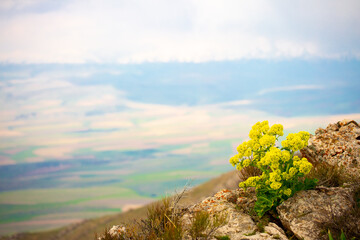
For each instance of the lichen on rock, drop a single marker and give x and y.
(337, 145)
(307, 212)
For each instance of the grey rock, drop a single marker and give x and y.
(239, 225)
(307, 212)
(337, 145)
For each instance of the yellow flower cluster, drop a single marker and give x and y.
(302, 164)
(267, 141)
(276, 129)
(275, 178)
(296, 141)
(242, 164)
(234, 160)
(275, 185)
(271, 158)
(278, 165)
(282, 172)
(261, 137)
(245, 163)
(287, 192)
(245, 149)
(250, 182)
(261, 129)
(290, 174)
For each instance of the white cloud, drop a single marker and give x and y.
(93, 101)
(115, 122)
(9, 133)
(233, 103)
(141, 126)
(195, 31)
(290, 88)
(55, 152)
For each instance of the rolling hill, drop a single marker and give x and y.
(86, 229)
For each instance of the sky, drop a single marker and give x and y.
(113, 31)
(82, 77)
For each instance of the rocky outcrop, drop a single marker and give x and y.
(307, 213)
(337, 145)
(235, 204)
(240, 225)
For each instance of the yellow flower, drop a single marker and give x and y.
(286, 176)
(245, 162)
(260, 151)
(242, 185)
(264, 123)
(256, 147)
(305, 136)
(276, 129)
(275, 185)
(302, 164)
(234, 160)
(274, 165)
(305, 166)
(247, 153)
(250, 182)
(296, 141)
(267, 141)
(239, 167)
(275, 153)
(242, 148)
(275, 176)
(287, 192)
(271, 158)
(254, 134)
(264, 127)
(256, 125)
(292, 172)
(285, 156)
(253, 145)
(265, 161)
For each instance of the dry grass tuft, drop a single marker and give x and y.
(336, 176)
(164, 221)
(247, 172)
(332, 176)
(203, 225)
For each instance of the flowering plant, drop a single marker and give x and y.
(282, 172)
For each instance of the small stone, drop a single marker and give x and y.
(116, 230)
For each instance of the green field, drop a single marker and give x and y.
(85, 230)
(47, 195)
(47, 208)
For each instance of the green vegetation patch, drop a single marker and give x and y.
(61, 195)
(23, 155)
(18, 213)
